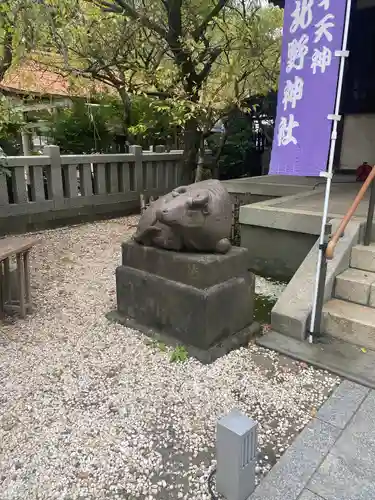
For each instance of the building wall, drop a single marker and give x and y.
(364, 4)
(358, 104)
(358, 142)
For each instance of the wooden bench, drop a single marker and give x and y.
(19, 248)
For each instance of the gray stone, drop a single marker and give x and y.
(292, 311)
(350, 322)
(309, 495)
(198, 270)
(343, 403)
(358, 452)
(372, 296)
(348, 471)
(363, 257)
(342, 358)
(37, 183)
(336, 480)
(290, 475)
(354, 285)
(197, 316)
(274, 253)
(363, 423)
(197, 217)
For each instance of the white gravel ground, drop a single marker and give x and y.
(91, 410)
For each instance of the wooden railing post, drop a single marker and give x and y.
(54, 174)
(160, 170)
(19, 184)
(4, 199)
(138, 167)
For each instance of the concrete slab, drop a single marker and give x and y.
(250, 190)
(309, 495)
(363, 423)
(358, 452)
(336, 480)
(302, 212)
(341, 198)
(290, 475)
(347, 470)
(339, 409)
(341, 358)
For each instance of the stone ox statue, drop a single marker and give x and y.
(194, 218)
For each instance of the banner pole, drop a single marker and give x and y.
(319, 289)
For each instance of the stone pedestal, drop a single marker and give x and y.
(199, 300)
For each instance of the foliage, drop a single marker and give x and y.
(239, 154)
(11, 121)
(87, 127)
(179, 354)
(234, 154)
(157, 344)
(11, 118)
(3, 162)
(172, 66)
(215, 55)
(112, 50)
(20, 30)
(81, 129)
(153, 121)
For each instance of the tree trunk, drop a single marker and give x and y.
(199, 173)
(191, 149)
(126, 102)
(215, 166)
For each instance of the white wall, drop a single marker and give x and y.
(358, 144)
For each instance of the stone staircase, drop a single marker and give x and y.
(350, 315)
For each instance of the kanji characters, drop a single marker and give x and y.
(297, 51)
(321, 59)
(285, 131)
(302, 15)
(323, 28)
(293, 92)
(325, 4)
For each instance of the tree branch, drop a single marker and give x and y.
(122, 7)
(214, 12)
(208, 65)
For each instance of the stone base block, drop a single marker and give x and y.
(197, 299)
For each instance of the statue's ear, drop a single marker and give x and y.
(199, 200)
(178, 191)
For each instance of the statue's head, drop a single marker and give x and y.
(185, 210)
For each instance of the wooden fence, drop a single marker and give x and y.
(72, 188)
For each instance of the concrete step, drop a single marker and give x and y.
(356, 286)
(350, 322)
(342, 358)
(363, 257)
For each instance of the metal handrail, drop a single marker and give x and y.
(349, 214)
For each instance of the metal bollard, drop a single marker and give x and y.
(236, 445)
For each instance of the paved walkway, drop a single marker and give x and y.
(334, 457)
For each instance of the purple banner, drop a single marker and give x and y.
(313, 31)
